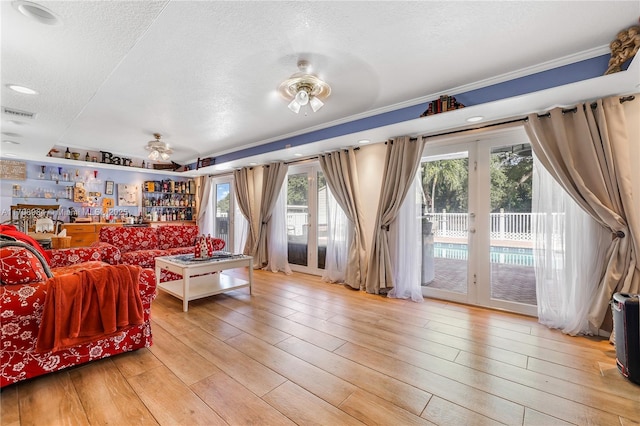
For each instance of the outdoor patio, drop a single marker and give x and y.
(512, 283)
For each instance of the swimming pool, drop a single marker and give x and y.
(506, 255)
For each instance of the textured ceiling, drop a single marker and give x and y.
(204, 73)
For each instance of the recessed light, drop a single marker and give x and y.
(297, 154)
(22, 89)
(474, 119)
(253, 164)
(7, 154)
(36, 12)
(10, 142)
(364, 141)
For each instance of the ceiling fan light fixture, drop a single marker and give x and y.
(302, 97)
(315, 103)
(158, 149)
(294, 106)
(303, 88)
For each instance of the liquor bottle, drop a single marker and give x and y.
(87, 157)
(67, 154)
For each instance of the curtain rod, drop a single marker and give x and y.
(623, 99)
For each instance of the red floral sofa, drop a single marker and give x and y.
(26, 279)
(141, 245)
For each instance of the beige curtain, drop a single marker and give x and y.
(244, 191)
(587, 152)
(401, 164)
(203, 188)
(339, 170)
(273, 178)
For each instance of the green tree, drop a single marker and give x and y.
(223, 203)
(297, 190)
(445, 184)
(511, 184)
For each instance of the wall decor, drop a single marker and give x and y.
(79, 193)
(11, 169)
(129, 194)
(109, 158)
(108, 189)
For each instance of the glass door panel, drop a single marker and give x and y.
(222, 216)
(512, 276)
(446, 223)
(307, 218)
(298, 218)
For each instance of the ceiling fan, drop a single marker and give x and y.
(304, 88)
(158, 150)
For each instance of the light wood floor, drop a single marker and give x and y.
(300, 351)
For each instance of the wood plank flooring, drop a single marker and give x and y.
(301, 351)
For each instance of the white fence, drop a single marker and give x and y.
(297, 223)
(503, 226)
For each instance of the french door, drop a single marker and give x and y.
(477, 240)
(306, 218)
(222, 199)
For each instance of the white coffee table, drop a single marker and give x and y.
(198, 277)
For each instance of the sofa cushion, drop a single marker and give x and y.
(20, 266)
(172, 236)
(144, 258)
(129, 239)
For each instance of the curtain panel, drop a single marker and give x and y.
(278, 240)
(569, 249)
(401, 164)
(340, 172)
(405, 246)
(274, 175)
(339, 238)
(203, 191)
(586, 150)
(244, 191)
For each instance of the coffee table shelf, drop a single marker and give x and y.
(202, 278)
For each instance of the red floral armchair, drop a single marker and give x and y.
(25, 281)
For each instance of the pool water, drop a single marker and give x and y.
(505, 255)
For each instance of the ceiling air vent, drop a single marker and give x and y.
(16, 113)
